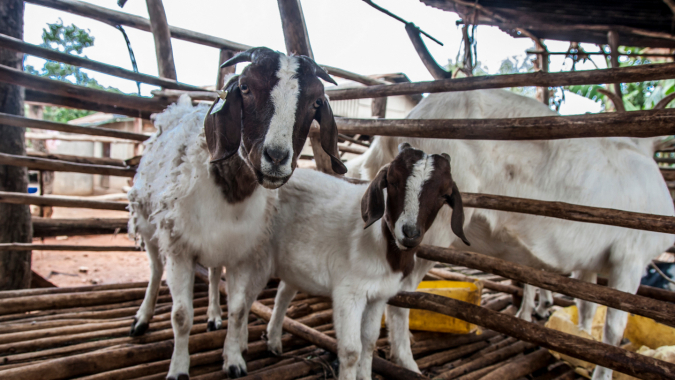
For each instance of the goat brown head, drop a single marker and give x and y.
(265, 114)
(418, 185)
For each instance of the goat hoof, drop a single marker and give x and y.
(213, 325)
(138, 329)
(234, 372)
(181, 376)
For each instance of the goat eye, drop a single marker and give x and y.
(244, 89)
(318, 103)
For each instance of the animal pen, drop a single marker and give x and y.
(63, 333)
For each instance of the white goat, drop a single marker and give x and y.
(319, 245)
(601, 172)
(196, 196)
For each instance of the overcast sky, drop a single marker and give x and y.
(347, 34)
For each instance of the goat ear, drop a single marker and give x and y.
(222, 125)
(457, 221)
(329, 136)
(372, 203)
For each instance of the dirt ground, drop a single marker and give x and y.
(63, 267)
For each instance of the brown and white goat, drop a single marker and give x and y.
(197, 196)
(320, 245)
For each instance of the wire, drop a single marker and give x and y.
(131, 54)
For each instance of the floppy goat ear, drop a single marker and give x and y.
(329, 136)
(457, 221)
(222, 125)
(372, 203)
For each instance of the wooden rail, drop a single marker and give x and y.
(628, 124)
(24, 122)
(66, 247)
(38, 51)
(540, 79)
(55, 201)
(49, 227)
(663, 312)
(47, 98)
(63, 166)
(616, 358)
(20, 78)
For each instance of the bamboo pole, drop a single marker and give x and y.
(20, 78)
(660, 311)
(62, 166)
(38, 51)
(541, 79)
(628, 124)
(24, 122)
(56, 201)
(602, 354)
(49, 227)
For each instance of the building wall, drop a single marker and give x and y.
(73, 183)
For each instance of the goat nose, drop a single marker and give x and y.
(276, 156)
(411, 231)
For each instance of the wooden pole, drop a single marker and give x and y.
(38, 51)
(15, 272)
(61, 166)
(543, 94)
(616, 358)
(67, 247)
(629, 124)
(619, 75)
(78, 159)
(56, 201)
(19, 78)
(368, 81)
(613, 40)
(113, 18)
(46, 98)
(50, 227)
(522, 366)
(663, 312)
(223, 72)
(162, 36)
(568, 211)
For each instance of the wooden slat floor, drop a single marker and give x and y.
(83, 333)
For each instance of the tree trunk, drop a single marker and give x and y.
(15, 220)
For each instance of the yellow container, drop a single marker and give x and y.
(430, 321)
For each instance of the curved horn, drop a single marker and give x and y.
(664, 102)
(616, 99)
(250, 55)
(318, 70)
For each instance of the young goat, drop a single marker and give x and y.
(616, 172)
(320, 246)
(196, 195)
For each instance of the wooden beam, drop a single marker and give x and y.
(340, 73)
(613, 40)
(223, 72)
(569, 211)
(20, 78)
(49, 227)
(66, 247)
(429, 62)
(294, 27)
(78, 159)
(24, 122)
(65, 101)
(162, 37)
(60, 166)
(64, 137)
(56, 201)
(38, 51)
(663, 312)
(639, 73)
(628, 124)
(39, 282)
(113, 18)
(616, 358)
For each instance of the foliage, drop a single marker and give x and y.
(636, 96)
(69, 40)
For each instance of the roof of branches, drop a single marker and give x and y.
(643, 23)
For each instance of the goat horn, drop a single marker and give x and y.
(250, 55)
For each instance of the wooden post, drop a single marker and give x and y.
(225, 54)
(541, 64)
(613, 39)
(162, 35)
(15, 220)
(297, 42)
(105, 179)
